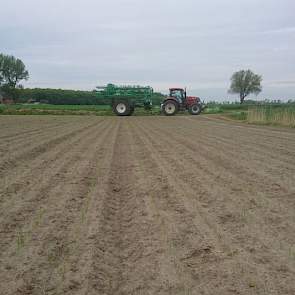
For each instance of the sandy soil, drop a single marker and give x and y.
(145, 205)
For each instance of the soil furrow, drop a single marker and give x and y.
(255, 148)
(240, 172)
(14, 160)
(46, 231)
(213, 224)
(22, 179)
(145, 205)
(14, 219)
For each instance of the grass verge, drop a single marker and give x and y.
(265, 115)
(283, 116)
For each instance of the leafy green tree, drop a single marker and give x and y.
(244, 83)
(12, 71)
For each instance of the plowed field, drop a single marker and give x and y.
(145, 205)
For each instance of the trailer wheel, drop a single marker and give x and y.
(170, 108)
(121, 108)
(195, 109)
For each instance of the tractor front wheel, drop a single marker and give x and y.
(195, 109)
(122, 108)
(170, 108)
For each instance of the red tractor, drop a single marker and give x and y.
(179, 101)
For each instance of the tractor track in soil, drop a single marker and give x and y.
(145, 205)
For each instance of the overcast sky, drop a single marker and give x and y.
(77, 44)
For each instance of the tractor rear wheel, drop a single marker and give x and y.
(122, 108)
(195, 109)
(170, 108)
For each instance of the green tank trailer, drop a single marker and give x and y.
(124, 99)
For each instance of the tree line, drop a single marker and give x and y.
(59, 96)
(70, 97)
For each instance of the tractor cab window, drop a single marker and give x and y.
(177, 93)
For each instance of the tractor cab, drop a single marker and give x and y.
(179, 94)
